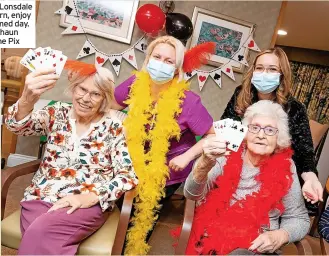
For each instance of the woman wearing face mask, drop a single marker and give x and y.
(269, 78)
(163, 119)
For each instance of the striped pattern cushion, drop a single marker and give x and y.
(13, 67)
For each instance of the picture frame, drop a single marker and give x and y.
(229, 34)
(109, 19)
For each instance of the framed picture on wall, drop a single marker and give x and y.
(112, 19)
(227, 32)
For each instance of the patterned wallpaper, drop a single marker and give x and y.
(263, 14)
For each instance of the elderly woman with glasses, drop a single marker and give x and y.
(269, 78)
(86, 166)
(249, 201)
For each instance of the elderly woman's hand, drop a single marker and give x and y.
(312, 188)
(75, 202)
(214, 147)
(270, 241)
(36, 83)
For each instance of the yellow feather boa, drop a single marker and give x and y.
(152, 177)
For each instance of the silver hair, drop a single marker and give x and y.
(104, 81)
(179, 48)
(273, 110)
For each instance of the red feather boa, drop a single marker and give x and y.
(219, 228)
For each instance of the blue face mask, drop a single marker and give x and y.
(265, 82)
(160, 72)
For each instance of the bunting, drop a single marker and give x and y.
(74, 28)
(116, 63)
(86, 50)
(228, 70)
(251, 44)
(100, 59)
(202, 78)
(240, 57)
(217, 77)
(115, 59)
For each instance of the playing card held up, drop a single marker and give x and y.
(233, 132)
(44, 58)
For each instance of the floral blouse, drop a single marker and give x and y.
(96, 162)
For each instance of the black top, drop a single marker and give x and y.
(299, 129)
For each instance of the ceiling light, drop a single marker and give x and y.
(282, 32)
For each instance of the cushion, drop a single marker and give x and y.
(99, 243)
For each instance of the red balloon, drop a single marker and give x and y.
(150, 18)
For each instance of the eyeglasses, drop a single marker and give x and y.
(270, 69)
(268, 130)
(94, 96)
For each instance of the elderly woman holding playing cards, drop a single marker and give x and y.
(269, 78)
(86, 166)
(249, 200)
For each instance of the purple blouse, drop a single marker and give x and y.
(194, 120)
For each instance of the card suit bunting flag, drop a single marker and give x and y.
(251, 44)
(87, 49)
(141, 45)
(116, 61)
(74, 28)
(217, 77)
(228, 70)
(100, 59)
(68, 9)
(189, 75)
(130, 57)
(240, 56)
(202, 78)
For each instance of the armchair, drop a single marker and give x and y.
(109, 239)
(303, 247)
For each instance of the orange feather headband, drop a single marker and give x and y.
(82, 68)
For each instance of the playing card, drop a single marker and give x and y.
(28, 59)
(233, 132)
(44, 58)
(60, 62)
(237, 133)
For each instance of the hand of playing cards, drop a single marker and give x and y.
(233, 132)
(44, 58)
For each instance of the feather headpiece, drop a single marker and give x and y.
(82, 68)
(198, 56)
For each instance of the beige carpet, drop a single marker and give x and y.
(161, 241)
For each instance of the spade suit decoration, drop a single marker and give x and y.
(129, 55)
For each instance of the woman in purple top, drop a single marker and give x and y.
(163, 119)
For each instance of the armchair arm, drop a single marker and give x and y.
(11, 173)
(324, 246)
(120, 235)
(7, 83)
(187, 226)
(303, 247)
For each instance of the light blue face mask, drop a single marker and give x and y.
(160, 72)
(265, 82)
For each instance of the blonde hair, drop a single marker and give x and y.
(272, 110)
(179, 48)
(103, 79)
(281, 93)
